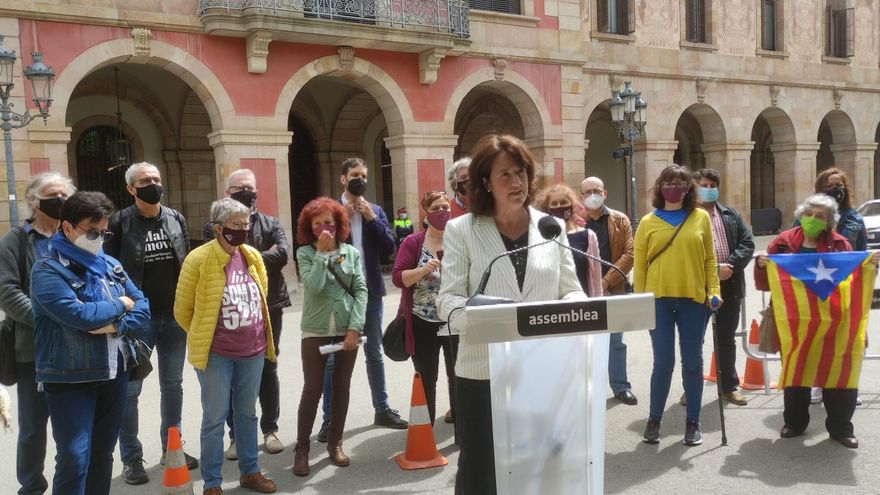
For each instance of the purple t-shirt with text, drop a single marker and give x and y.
(239, 332)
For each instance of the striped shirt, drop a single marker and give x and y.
(719, 238)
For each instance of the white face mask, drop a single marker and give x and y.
(594, 201)
(86, 244)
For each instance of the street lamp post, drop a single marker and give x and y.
(41, 78)
(628, 115)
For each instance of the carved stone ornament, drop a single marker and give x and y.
(616, 81)
(258, 51)
(838, 97)
(774, 94)
(429, 64)
(346, 58)
(141, 41)
(701, 84)
(500, 66)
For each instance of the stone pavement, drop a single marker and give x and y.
(755, 461)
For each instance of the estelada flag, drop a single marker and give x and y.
(821, 303)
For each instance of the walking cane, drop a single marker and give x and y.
(714, 310)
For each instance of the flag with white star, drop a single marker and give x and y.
(821, 303)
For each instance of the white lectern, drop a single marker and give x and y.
(548, 365)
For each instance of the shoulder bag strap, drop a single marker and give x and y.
(669, 243)
(339, 280)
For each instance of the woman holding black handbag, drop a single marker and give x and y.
(417, 272)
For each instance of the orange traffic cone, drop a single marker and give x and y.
(176, 478)
(712, 375)
(754, 376)
(421, 451)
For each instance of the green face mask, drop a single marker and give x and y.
(813, 226)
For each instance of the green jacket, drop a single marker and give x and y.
(324, 295)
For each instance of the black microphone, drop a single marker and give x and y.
(480, 299)
(550, 229)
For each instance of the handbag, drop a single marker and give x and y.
(7, 330)
(394, 339)
(139, 365)
(768, 339)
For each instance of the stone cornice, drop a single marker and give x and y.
(783, 147)
(713, 147)
(225, 137)
(39, 134)
(421, 141)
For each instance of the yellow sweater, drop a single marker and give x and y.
(200, 292)
(687, 268)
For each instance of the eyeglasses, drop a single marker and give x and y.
(236, 189)
(677, 183)
(92, 234)
(238, 225)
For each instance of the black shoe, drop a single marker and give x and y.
(191, 462)
(849, 442)
(652, 431)
(133, 472)
(692, 435)
(627, 397)
(789, 432)
(390, 419)
(323, 433)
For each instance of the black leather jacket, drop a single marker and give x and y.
(266, 231)
(129, 230)
(742, 247)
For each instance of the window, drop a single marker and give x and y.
(768, 25)
(616, 16)
(503, 6)
(839, 33)
(100, 152)
(695, 20)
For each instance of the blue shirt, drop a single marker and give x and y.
(672, 217)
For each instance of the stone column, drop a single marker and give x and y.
(733, 162)
(419, 164)
(548, 155)
(857, 161)
(651, 158)
(795, 173)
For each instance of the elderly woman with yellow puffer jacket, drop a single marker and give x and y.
(221, 305)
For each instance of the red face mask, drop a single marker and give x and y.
(320, 229)
(438, 219)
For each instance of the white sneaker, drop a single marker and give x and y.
(272, 444)
(231, 453)
(815, 395)
(858, 400)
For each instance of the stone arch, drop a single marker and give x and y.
(484, 112)
(773, 133)
(351, 123)
(175, 60)
(601, 140)
(369, 77)
(698, 126)
(841, 126)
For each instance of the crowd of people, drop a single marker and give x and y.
(87, 288)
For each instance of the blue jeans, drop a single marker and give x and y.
(222, 377)
(617, 364)
(85, 424)
(375, 362)
(690, 317)
(33, 418)
(170, 342)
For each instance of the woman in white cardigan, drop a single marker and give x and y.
(500, 189)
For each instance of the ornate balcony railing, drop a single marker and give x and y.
(445, 16)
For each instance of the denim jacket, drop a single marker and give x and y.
(64, 350)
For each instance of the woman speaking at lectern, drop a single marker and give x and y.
(500, 189)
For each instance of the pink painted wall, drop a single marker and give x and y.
(431, 177)
(267, 193)
(557, 170)
(39, 165)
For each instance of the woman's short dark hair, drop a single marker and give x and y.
(674, 173)
(317, 207)
(86, 204)
(483, 158)
(822, 182)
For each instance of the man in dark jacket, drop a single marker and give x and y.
(151, 241)
(371, 235)
(733, 249)
(267, 236)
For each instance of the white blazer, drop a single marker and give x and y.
(469, 244)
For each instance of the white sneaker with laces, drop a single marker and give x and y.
(231, 453)
(272, 444)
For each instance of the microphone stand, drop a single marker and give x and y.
(480, 299)
(627, 287)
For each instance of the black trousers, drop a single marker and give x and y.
(270, 389)
(473, 423)
(840, 404)
(728, 321)
(427, 360)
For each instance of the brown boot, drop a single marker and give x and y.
(301, 459)
(337, 456)
(258, 483)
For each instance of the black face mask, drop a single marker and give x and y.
(245, 197)
(461, 188)
(235, 237)
(357, 186)
(838, 193)
(52, 207)
(150, 194)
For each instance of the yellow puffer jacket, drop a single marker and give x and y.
(200, 292)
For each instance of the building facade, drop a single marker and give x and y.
(766, 91)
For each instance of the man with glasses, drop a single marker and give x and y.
(458, 181)
(614, 233)
(151, 241)
(267, 236)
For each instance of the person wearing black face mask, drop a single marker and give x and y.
(151, 241)
(267, 236)
(834, 182)
(20, 247)
(458, 182)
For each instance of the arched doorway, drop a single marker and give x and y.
(699, 125)
(762, 166)
(836, 131)
(599, 157)
(100, 166)
(772, 161)
(485, 111)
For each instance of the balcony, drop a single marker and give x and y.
(399, 25)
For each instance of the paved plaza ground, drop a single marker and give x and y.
(755, 461)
